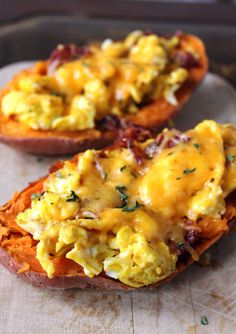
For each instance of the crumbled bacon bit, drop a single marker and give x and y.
(131, 133)
(65, 53)
(152, 149)
(191, 236)
(159, 139)
(177, 139)
(155, 147)
(134, 132)
(175, 248)
(162, 141)
(109, 123)
(185, 59)
(138, 153)
(102, 154)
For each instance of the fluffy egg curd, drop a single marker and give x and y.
(81, 86)
(130, 218)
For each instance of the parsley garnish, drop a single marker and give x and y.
(85, 64)
(178, 178)
(196, 145)
(204, 320)
(181, 244)
(124, 199)
(72, 197)
(57, 94)
(230, 157)
(132, 208)
(37, 196)
(170, 153)
(123, 168)
(123, 196)
(189, 171)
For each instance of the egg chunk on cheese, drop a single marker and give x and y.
(81, 86)
(130, 218)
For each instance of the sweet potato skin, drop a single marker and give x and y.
(35, 275)
(152, 116)
(50, 144)
(81, 281)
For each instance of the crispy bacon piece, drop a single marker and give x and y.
(64, 53)
(138, 153)
(185, 59)
(177, 139)
(191, 238)
(163, 141)
(110, 122)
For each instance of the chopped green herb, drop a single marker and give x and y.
(31, 109)
(196, 145)
(170, 153)
(189, 171)
(37, 196)
(59, 175)
(57, 94)
(180, 244)
(230, 157)
(85, 64)
(132, 208)
(178, 178)
(204, 320)
(123, 168)
(123, 196)
(72, 197)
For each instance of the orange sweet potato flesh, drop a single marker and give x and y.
(18, 249)
(151, 116)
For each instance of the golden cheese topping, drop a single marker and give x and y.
(111, 213)
(84, 85)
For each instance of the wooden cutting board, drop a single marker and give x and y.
(175, 308)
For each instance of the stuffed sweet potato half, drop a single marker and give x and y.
(81, 97)
(128, 216)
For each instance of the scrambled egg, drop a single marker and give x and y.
(114, 77)
(110, 214)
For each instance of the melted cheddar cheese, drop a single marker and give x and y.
(109, 213)
(113, 77)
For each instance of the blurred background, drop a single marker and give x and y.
(31, 29)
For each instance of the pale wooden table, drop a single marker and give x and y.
(175, 308)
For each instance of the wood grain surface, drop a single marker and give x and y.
(175, 308)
